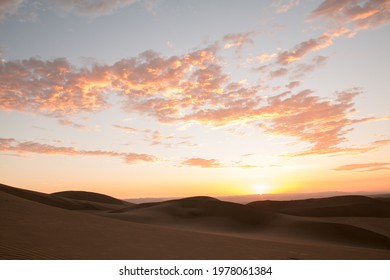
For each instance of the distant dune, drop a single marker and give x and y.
(83, 225)
(91, 196)
(339, 206)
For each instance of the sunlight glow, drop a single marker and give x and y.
(261, 188)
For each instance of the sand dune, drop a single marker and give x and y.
(35, 227)
(196, 212)
(91, 196)
(340, 206)
(90, 203)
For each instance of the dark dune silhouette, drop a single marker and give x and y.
(41, 226)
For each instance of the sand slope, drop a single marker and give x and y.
(33, 228)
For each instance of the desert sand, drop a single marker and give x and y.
(84, 225)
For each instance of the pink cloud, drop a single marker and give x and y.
(283, 8)
(304, 68)
(278, 73)
(126, 129)
(9, 7)
(365, 167)
(10, 145)
(238, 40)
(311, 45)
(310, 119)
(293, 84)
(360, 14)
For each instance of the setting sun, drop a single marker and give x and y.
(261, 188)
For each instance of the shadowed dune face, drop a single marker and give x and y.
(201, 212)
(38, 226)
(91, 196)
(343, 206)
(340, 233)
(65, 202)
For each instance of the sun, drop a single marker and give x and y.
(261, 188)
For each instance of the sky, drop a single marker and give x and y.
(177, 98)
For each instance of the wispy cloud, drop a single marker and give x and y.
(93, 8)
(365, 167)
(9, 8)
(201, 162)
(293, 84)
(238, 40)
(126, 129)
(10, 145)
(285, 6)
(155, 137)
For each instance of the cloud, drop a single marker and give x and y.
(10, 145)
(126, 129)
(236, 131)
(93, 8)
(201, 162)
(9, 8)
(365, 167)
(283, 8)
(214, 163)
(188, 88)
(278, 73)
(340, 151)
(311, 45)
(293, 84)
(67, 122)
(311, 119)
(359, 14)
(304, 68)
(53, 88)
(238, 40)
(265, 57)
(155, 137)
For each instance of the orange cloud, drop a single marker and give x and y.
(337, 151)
(49, 87)
(187, 88)
(201, 162)
(11, 145)
(365, 167)
(360, 14)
